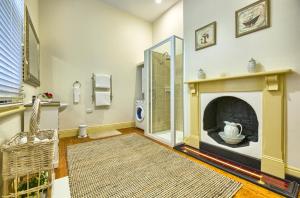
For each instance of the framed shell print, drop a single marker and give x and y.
(252, 18)
(206, 36)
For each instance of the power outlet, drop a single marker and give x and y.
(89, 110)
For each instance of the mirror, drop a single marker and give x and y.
(32, 53)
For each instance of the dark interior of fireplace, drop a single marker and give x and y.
(232, 109)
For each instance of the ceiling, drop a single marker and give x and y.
(145, 9)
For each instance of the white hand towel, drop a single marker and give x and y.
(102, 81)
(76, 94)
(102, 98)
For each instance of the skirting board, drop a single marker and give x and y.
(94, 129)
(273, 166)
(292, 171)
(192, 141)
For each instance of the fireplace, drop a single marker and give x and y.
(239, 107)
(263, 93)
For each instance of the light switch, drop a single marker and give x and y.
(89, 110)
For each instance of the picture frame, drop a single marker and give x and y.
(206, 36)
(31, 63)
(252, 18)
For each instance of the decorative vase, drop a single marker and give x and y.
(201, 74)
(251, 66)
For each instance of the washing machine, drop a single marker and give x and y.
(140, 113)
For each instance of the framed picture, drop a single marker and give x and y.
(252, 18)
(206, 36)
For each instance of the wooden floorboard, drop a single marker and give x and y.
(248, 189)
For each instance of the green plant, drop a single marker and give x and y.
(33, 182)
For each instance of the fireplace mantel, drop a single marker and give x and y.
(248, 75)
(272, 85)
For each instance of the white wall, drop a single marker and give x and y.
(274, 48)
(84, 37)
(169, 23)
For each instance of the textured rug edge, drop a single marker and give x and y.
(104, 134)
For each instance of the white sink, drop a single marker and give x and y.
(62, 106)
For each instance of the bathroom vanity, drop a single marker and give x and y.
(48, 120)
(49, 115)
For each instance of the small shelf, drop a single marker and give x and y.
(265, 73)
(46, 104)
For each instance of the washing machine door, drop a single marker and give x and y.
(139, 113)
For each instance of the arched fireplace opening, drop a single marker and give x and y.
(232, 109)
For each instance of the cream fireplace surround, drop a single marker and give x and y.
(272, 86)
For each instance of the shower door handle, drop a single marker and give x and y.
(153, 95)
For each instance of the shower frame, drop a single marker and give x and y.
(148, 96)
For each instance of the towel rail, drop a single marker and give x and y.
(94, 89)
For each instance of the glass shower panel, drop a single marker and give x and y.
(160, 92)
(178, 91)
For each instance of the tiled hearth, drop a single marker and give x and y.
(284, 187)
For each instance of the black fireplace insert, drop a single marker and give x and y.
(232, 109)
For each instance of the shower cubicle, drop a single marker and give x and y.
(164, 64)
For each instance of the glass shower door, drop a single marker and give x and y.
(165, 91)
(178, 91)
(160, 92)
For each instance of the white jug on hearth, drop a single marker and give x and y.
(231, 129)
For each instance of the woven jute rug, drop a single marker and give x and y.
(134, 166)
(103, 134)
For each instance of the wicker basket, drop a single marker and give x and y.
(22, 162)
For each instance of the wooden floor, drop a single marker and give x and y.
(248, 190)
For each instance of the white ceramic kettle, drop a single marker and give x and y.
(231, 129)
